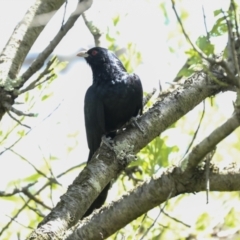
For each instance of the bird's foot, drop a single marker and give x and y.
(108, 142)
(133, 122)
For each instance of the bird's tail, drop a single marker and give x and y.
(99, 201)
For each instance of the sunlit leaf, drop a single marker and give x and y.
(219, 28)
(44, 97)
(116, 20)
(217, 12)
(204, 44)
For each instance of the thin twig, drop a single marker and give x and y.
(175, 219)
(161, 209)
(202, 55)
(160, 86)
(205, 24)
(35, 199)
(235, 18)
(38, 63)
(138, 228)
(16, 190)
(14, 220)
(64, 13)
(9, 107)
(16, 125)
(36, 82)
(207, 180)
(96, 33)
(32, 165)
(15, 119)
(40, 190)
(20, 138)
(148, 96)
(208, 159)
(196, 132)
(53, 178)
(231, 43)
(37, 211)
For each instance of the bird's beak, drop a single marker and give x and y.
(83, 54)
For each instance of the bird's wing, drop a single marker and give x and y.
(138, 92)
(94, 119)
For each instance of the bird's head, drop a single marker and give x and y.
(98, 57)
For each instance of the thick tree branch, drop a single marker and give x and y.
(150, 194)
(18, 46)
(82, 6)
(119, 214)
(105, 166)
(22, 39)
(208, 144)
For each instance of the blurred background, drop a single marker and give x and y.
(152, 45)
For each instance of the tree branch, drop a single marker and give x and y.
(18, 46)
(208, 144)
(105, 165)
(16, 190)
(22, 39)
(94, 30)
(82, 6)
(148, 195)
(174, 181)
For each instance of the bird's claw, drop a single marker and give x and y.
(133, 122)
(108, 142)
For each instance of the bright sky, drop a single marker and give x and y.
(142, 23)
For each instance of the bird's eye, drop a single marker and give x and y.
(94, 52)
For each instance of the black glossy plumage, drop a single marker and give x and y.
(112, 100)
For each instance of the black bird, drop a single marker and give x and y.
(110, 102)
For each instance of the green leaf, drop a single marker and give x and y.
(204, 44)
(32, 178)
(116, 20)
(219, 28)
(44, 97)
(21, 133)
(203, 222)
(53, 158)
(162, 6)
(185, 72)
(158, 153)
(26, 96)
(231, 219)
(60, 66)
(109, 38)
(217, 12)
